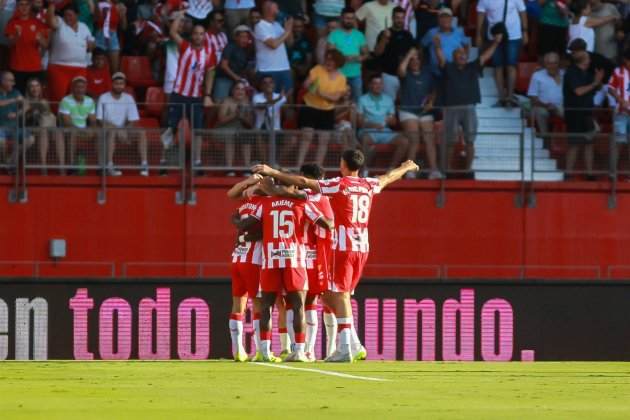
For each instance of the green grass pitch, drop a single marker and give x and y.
(227, 390)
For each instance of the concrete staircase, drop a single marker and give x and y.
(498, 144)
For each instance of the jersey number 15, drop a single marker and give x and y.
(283, 226)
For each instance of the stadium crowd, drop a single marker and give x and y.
(389, 68)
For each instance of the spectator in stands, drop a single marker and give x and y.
(553, 27)
(69, 50)
(234, 121)
(215, 35)
(416, 108)
(116, 111)
(10, 110)
(545, 92)
(325, 86)
(268, 107)
(377, 16)
(192, 90)
(461, 94)
(233, 67)
(86, 12)
(350, 42)
(39, 119)
(254, 17)
(345, 121)
(392, 46)
(7, 10)
(377, 117)
(300, 50)
(605, 34)
(451, 39)
(597, 61)
(426, 17)
(322, 43)
(271, 51)
(509, 19)
(237, 13)
(324, 12)
(619, 88)
(110, 17)
(77, 111)
(27, 37)
(98, 75)
(291, 8)
(583, 23)
(580, 86)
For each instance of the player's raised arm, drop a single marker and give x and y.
(236, 192)
(396, 174)
(297, 180)
(268, 187)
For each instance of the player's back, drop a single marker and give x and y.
(248, 252)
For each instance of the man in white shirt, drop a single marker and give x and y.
(507, 54)
(377, 16)
(115, 111)
(268, 110)
(545, 92)
(271, 52)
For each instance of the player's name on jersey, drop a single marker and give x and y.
(282, 203)
(353, 189)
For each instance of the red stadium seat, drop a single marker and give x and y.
(155, 102)
(525, 71)
(138, 71)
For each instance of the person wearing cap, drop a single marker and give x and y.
(77, 112)
(70, 46)
(451, 39)
(115, 111)
(233, 65)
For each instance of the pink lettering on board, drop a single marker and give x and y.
(161, 307)
(374, 332)
(492, 309)
(106, 347)
(185, 311)
(80, 305)
(465, 310)
(426, 309)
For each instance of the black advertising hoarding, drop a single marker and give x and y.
(403, 320)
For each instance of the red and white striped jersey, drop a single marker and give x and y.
(283, 221)
(191, 69)
(248, 252)
(316, 237)
(217, 43)
(620, 83)
(351, 201)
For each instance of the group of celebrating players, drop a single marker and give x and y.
(302, 238)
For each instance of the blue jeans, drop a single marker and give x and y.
(356, 87)
(222, 88)
(101, 42)
(507, 53)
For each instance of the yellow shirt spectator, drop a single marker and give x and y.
(324, 83)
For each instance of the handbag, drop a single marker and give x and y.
(500, 27)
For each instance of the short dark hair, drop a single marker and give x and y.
(398, 9)
(347, 10)
(578, 44)
(337, 57)
(578, 6)
(300, 17)
(69, 6)
(354, 159)
(214, 14)
(312, 171)
(375, 76)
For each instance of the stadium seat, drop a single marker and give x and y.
(138, 71)
(525, 71)
(155, 102)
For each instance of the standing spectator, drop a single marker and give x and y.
(291, 8)
(215, 36)
(117, 110)
(233, 67)
(416, 108)
(254, 17)
(39, 118)
(579, 88)
(553, 27)
(578, 47)
(619, 88)
(545, 92)
(392, 46)
(27, 37)
(193, 82)
(7, 10)
(76, 112)
(326, 85)
(236, 13)
(377, 16)
(426, 17)
(451, 39)
(461, 95)
(98, 75)
(583, 24)
(69, 51)
(352, 44)
(377, 116)
(233, 122)
(300, 50)
(110, 16)
(509, 18)
(271, 51)
(10, 101)
(326, 11)
(605, 34)
(268, 107)
(86, 12)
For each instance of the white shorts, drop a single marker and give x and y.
(410, 116)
